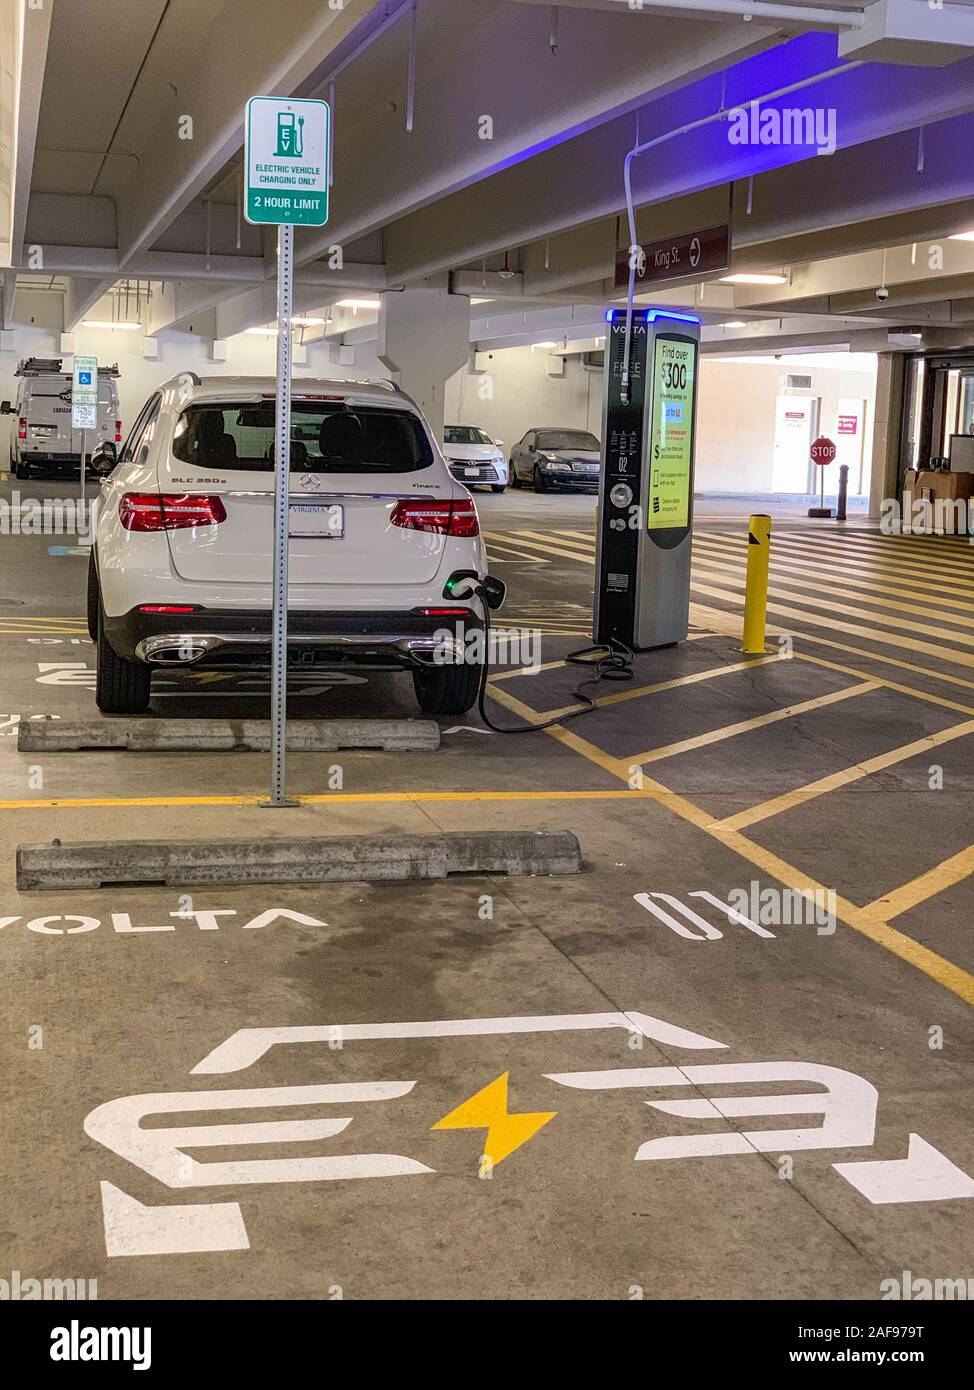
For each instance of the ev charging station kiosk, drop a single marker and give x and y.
(642, 595)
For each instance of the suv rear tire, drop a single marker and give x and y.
(121, 687)
(91, 609)
(447, 689)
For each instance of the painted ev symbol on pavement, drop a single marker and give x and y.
(846, 1102)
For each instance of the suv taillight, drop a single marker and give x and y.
(118, 431)
(456, 517)
(21, 428)
(169, 511)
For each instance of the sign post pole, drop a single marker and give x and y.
(84, 404)
(822, 453)
(286, 145)
(282, 466)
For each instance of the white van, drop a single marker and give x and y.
(44, 438)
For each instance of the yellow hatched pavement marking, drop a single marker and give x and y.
(883, 613)
(883, 680)
(880, 567)
(926, 886)
(949, 655)
(710, 674)
(543, 544)
(795, 571)
(760, 721)
(943, 971)
(800, 795)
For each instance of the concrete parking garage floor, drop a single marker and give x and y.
(645, 1051)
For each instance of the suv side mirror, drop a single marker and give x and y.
(5, 408)
(103, 459)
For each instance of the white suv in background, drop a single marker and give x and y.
(474, 457)
(380, 534)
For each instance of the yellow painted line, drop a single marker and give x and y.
(936, 967)
(950, 655)
(928, 885)
(622, 696)
(800, 795)
(883, 614)
(323, 798)
(796, 571)
(760, 721)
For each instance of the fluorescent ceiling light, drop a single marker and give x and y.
(545, 344)
(109, 323)
(961, 236)
(480, 299)
(753, 278)
(733, 323)
(357, 304)
(266, 328)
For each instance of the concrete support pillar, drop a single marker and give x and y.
(885, 462)
(424, 337)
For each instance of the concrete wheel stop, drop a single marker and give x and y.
(332, 859)
(216, 735)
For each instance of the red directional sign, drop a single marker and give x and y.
(823, 451)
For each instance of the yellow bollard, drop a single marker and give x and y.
(756, 592)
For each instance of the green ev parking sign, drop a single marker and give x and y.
(286, 158)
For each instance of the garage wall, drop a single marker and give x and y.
(736, 412)
(247, 355)
(516, 394)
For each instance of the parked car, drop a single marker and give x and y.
(44, 438)
(555, 458)
(181, 568)
(474, 457)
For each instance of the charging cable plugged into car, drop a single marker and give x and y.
(610, 661)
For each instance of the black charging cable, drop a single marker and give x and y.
(614, 664)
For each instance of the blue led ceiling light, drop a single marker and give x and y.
(652, 314)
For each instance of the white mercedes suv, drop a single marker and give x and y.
(380, 537)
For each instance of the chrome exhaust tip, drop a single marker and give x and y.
(171, 651)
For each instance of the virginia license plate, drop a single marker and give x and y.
(325, 521)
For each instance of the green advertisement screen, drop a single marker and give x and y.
(671, 439)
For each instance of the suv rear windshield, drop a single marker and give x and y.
(566, 439)
(465, 434)
(328, 437)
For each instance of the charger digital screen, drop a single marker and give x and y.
(671, 435)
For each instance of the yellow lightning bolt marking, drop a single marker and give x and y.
(488, 1110)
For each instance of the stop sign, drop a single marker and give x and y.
(823, 450)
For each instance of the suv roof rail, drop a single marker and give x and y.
(109, 371)
(384, 381)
